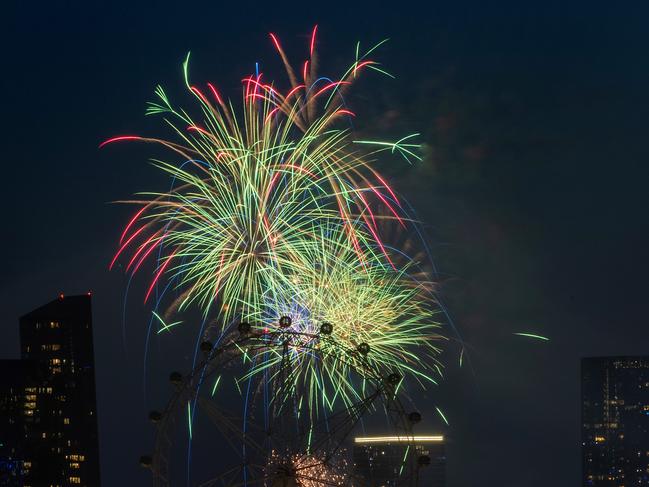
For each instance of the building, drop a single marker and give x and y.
(50, 404)
(615, 421)
(17, 380)
(380, 461)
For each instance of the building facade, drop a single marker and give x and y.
(615, 421)
(18, 378)
(382, 461)
(48, 423)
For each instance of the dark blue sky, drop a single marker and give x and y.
(535, 115)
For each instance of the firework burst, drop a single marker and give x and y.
(349, 319)
(307, 470)
(276, 210)
(247, 188)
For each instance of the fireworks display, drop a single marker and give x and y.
(273, 212)
(306, 470)
(379, 316)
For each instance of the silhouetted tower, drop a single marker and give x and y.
(61, 444)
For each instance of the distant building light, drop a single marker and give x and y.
(399, 439)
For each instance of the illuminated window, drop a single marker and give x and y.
(66, 420)
(54, 324)
(75, 480)
(55, 361)
(74, 465)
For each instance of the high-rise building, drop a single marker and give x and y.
(17, 404)
(379, 461)
(60, 413)
(615, 421)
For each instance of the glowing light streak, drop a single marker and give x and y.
(165, 326)
(441, 414)
(130, 223)
(119, 139)
(124, 245)
(215, 93)
(532, 335)
(189, 419)
(315, 30)
(399, 439)
(216, 384)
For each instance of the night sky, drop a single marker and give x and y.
(533, 192)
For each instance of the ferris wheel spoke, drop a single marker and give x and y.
(228, 428)
(235, 476)
(343, 423)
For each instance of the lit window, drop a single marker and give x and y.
(54, 324)
(66, 420)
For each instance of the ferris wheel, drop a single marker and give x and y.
(264, 435)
